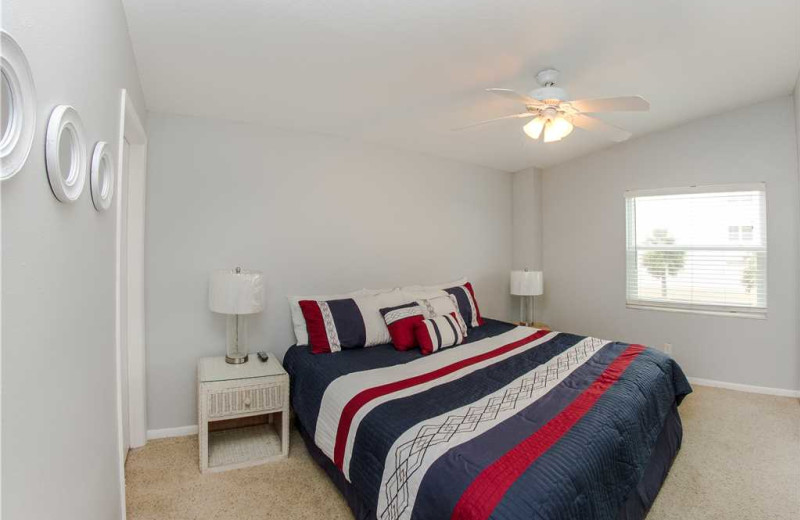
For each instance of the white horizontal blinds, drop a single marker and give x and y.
(698, 248)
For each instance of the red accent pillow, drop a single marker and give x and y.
(400, 321)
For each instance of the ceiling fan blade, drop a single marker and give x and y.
(617, 104)
(512, 116)
(595, 125)
(514, 96)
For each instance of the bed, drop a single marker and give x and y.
(514, 423)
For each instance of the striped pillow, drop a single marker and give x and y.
(334, 325)
(440, 332)
(467, 304)
(356, 322)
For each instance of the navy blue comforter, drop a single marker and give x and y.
(516, 423)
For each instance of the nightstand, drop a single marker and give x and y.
(243, 413)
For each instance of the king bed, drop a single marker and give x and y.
(515, 423)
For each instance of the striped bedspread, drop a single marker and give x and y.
(517, 423)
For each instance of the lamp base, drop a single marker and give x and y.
(527, 311)
(236, 348)
(236, 360)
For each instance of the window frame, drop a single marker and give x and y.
(694, 308)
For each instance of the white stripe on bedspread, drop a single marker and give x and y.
(343, 389)
(421, 445)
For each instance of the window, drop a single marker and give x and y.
(700, 249)
(737, 233)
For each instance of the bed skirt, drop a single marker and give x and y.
(635, 507)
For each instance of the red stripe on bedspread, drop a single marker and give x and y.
(365, 396)
(489, 487)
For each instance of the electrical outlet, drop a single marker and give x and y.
(667, 348)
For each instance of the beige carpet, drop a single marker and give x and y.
(740, 460)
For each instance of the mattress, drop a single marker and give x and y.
(515, 423)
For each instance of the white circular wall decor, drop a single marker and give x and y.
(65, 153)
(101, 180)
(18, 109)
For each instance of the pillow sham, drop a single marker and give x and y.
(440, 332)
(466, 303)
(299, 321)
(438, 305)
(461, 289)
(333, 325)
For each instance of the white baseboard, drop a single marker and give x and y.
(180, 431)
(745, 388)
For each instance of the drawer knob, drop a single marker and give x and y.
(247, 402)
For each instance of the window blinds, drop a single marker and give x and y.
(698, 249)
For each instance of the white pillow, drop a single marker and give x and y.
(464, 299)
(299, 322)
(370, 305)
(437, 306)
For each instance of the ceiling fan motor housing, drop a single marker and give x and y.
(547, 77)
(549, 93)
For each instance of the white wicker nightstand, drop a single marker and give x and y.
(237, 392)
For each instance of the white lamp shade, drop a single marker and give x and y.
(527, 283)
(230, 292)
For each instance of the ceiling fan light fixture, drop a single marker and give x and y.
(550, 135)
(557, 129)
(534, 128)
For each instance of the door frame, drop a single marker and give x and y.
(132, 288)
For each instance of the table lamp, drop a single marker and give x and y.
(236, 293)
(526, 284)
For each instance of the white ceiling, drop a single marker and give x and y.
(404, 72)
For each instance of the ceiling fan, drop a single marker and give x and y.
(554, 116)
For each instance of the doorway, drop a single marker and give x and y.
(130, 316)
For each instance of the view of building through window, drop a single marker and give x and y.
(698, 248)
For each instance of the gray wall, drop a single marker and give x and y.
(526, 229)
(315, 214)
(527, 220)
(797, 119)
(59, 430)
(584, 242)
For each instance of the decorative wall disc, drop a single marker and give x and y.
(17, 107)
(65, 153)
(102, 176)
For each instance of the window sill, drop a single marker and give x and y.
(757, 315)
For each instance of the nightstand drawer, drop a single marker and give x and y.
(247, 399)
